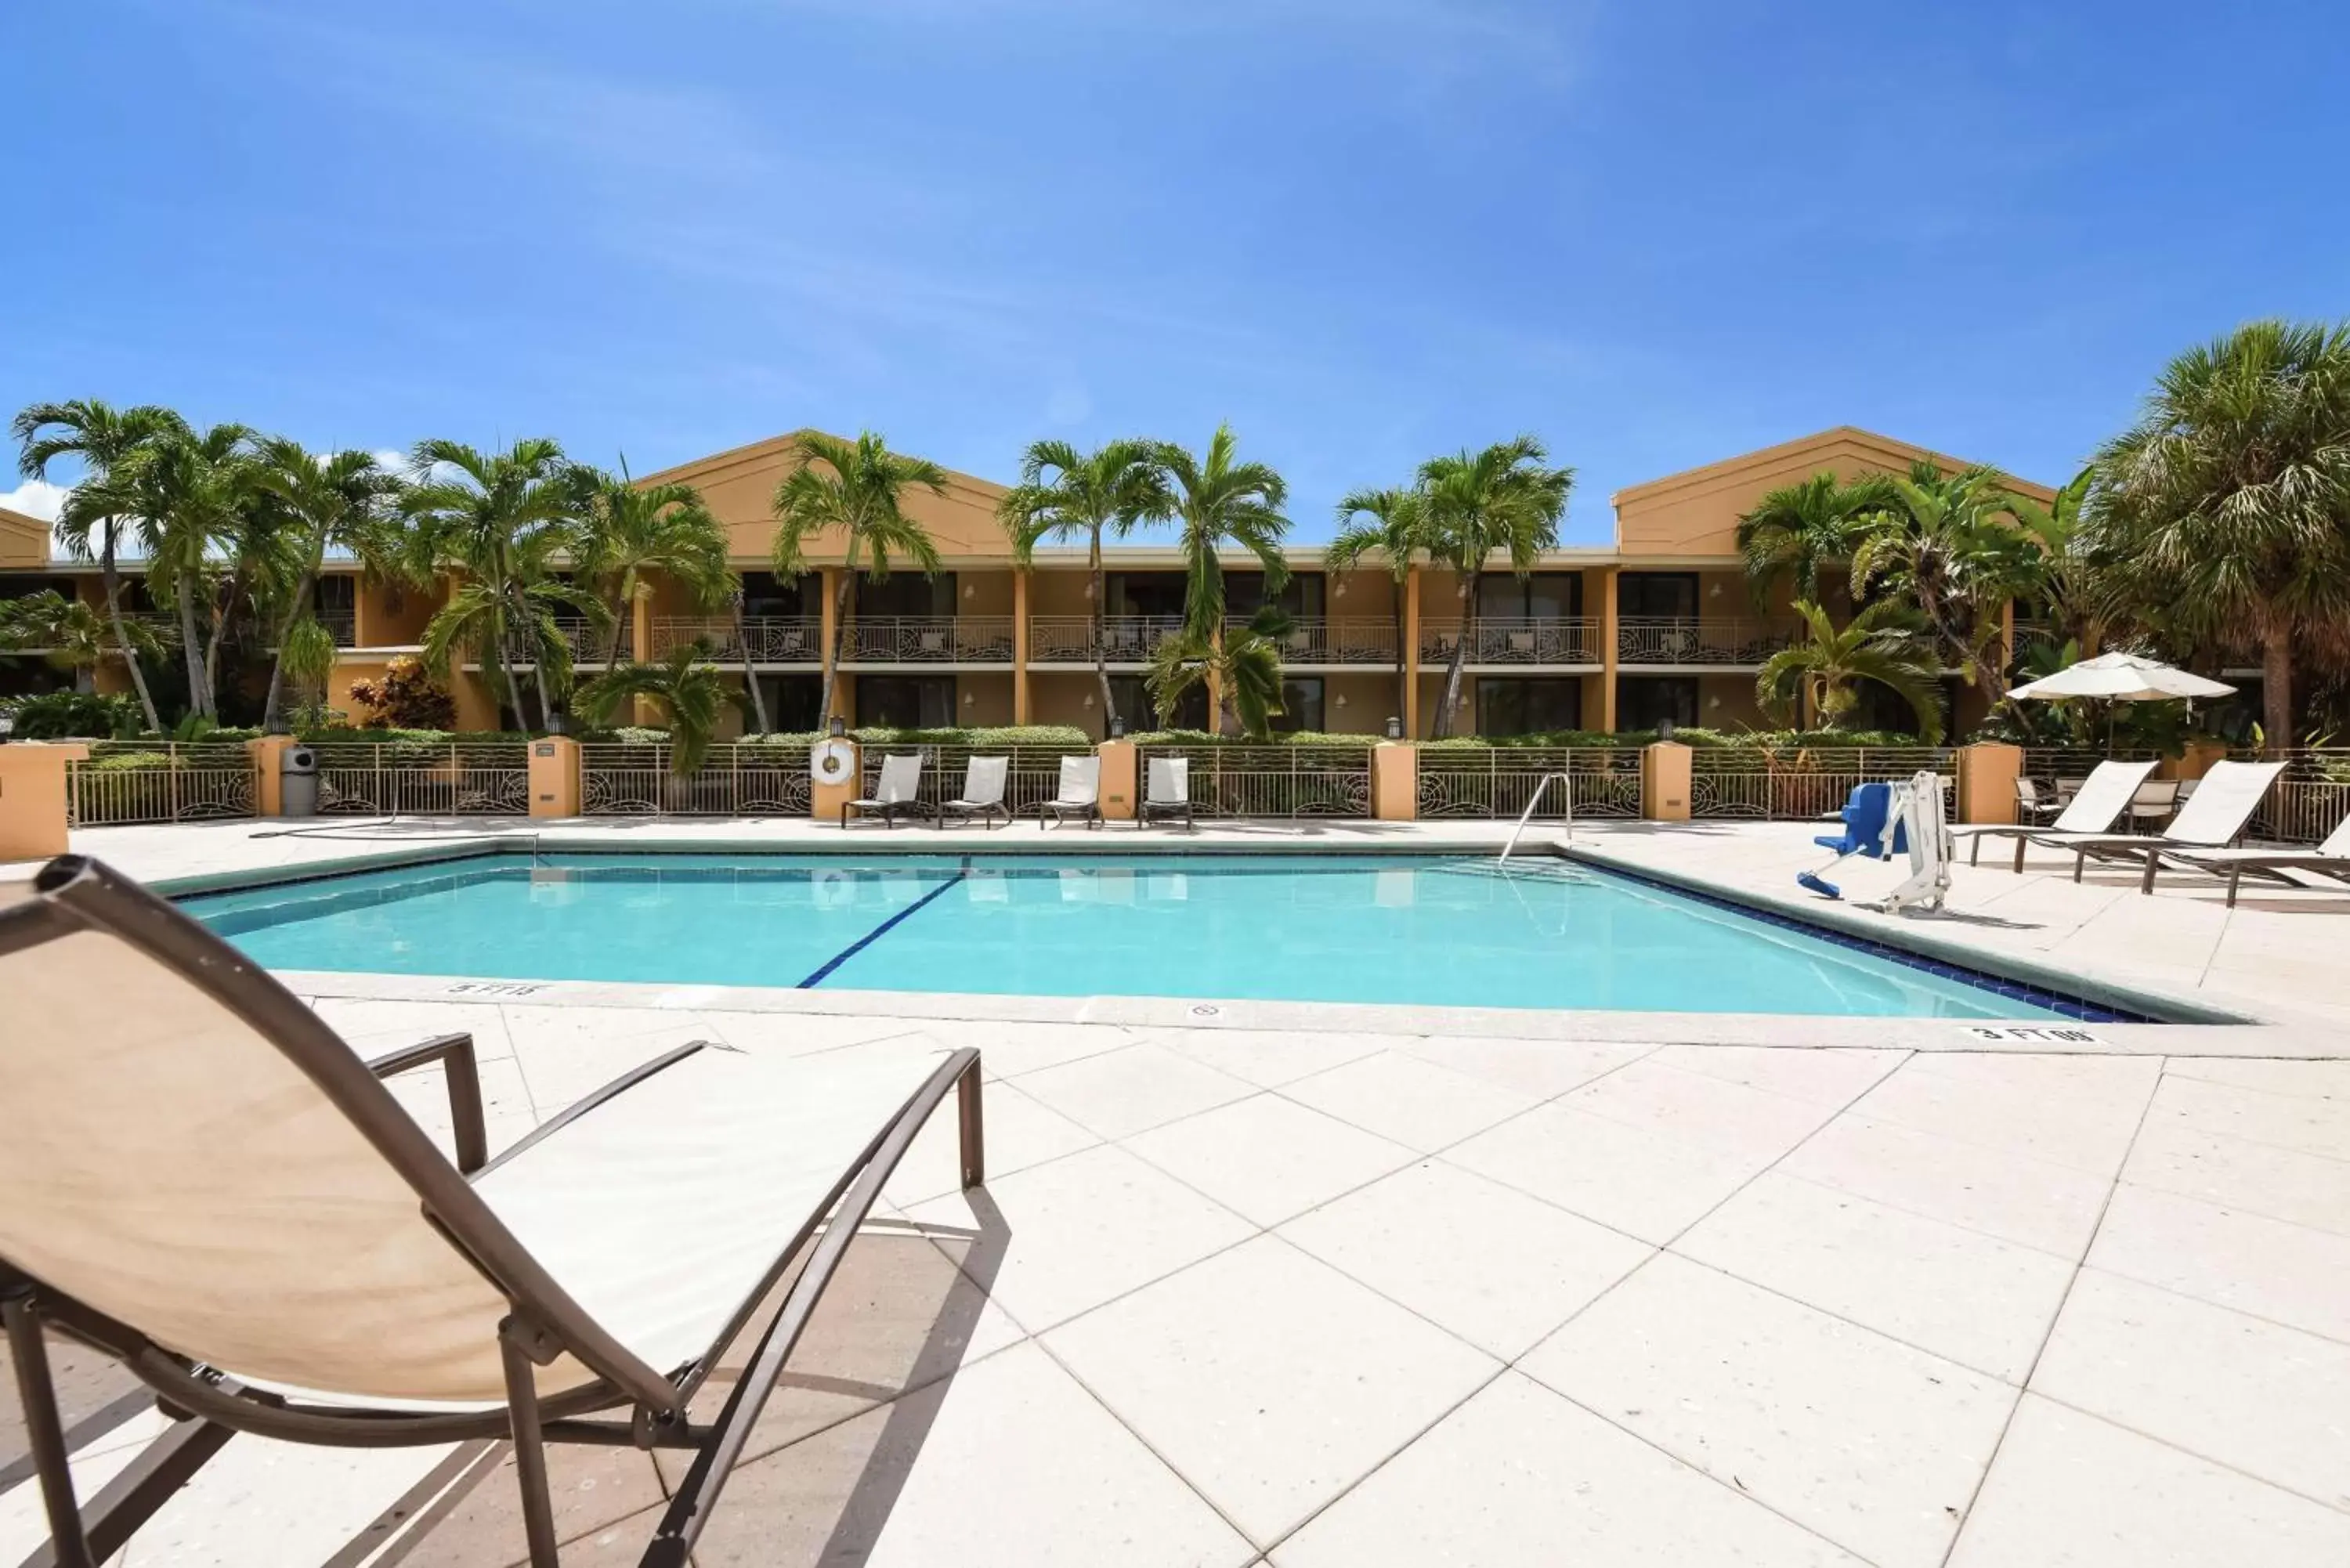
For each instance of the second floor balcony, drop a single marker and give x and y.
(1683, 642)
(1133, 638)
(588, 643)
(1495, 640)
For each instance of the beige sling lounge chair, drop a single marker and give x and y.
(983, 779)
(2212, 818)
(1079, 794)
(898, 793)
(203, 1181)
(1168, 791)
(2103, 795)
(2331, 859)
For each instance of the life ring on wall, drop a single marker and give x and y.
(831, 761)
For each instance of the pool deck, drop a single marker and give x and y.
(1345, 1288)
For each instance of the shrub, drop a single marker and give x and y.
(73, 715)
(1295, 738)
(407, 697)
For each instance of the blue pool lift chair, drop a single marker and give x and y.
(1867, 816)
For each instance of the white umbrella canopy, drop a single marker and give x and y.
(2121, 678)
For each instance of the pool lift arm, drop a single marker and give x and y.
(1882, 820)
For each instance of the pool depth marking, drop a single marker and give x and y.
(883, 930)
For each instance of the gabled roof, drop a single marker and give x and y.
(1841, 446)
(24, 539)
(777, 449)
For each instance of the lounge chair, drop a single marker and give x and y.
(2331, 859)
(901, 781)
(2095, 807)
(204, 1183)
(2031, 807)
(1079, 794)
(2156, 802)
(1169, 792)
(982, 792)
(2222, 804)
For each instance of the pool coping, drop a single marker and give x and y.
(2161, 1011)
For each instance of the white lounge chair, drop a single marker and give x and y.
(1169, 792)
(1079, 794)
(894, 796)
(982, 792)
(2223, 803)
(2331, 859)
(204, 1183)
(2099, 803)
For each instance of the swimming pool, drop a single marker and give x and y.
(1419, 930)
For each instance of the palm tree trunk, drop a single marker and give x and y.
(221, 613)
(623, 610)
(1100, 630)
(832, 651)
(112, 580)
(1459, 656)
(2276, 691)
(191, 646)
(750, 669)
(277, 660)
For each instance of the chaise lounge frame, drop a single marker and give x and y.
(640, 1406)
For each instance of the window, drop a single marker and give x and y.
(907, 594)
(768, 597)
(1544, 595)
(1881, 708)
(905, 702)
(1301, 698)
(1657, 595)
(1518, 707)
(1143, 593)
(1643, 701)
(1301, 596)
(792, 702)
(1133, 699)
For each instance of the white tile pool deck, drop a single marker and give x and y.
(1337, 1288)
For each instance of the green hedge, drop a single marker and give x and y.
(1692, 736)
(1202, 738)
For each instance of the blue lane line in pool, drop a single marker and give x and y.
(883, 930)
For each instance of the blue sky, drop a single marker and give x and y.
(1362, 231)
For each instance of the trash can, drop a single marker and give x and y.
(297, 782)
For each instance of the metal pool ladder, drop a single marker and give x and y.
(1566, 787)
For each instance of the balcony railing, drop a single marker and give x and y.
(585, 640)
(1573, 640)
(1126, 639)
(929, 639)
(1641, 641)
(1320, 642)
(343, 625)
(774, 640)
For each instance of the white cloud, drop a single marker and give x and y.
(36, 498)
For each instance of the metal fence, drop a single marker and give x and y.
(1492, 640)
(772, 639)
(1751, 782)
(124, 781)
(1653, 640)
(1034, 777)
(2310, 800)
(424, 778)
(752, 779)
(1499, 781)
(929, 639)
(1271, 780)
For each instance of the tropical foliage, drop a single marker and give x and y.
(1823, 670)
(1391, 525)
(691, 694)
(1798, 529)
(1503, 501)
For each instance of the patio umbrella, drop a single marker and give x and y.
(2120, 678)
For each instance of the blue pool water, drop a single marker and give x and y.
(1421, 930)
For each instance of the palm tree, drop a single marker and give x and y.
(343, 501)
(72, 635)
(1063, 494)
(628, 530)
(1798, 528)
(1218, 501)
(690, 693)
(1946, 544)
(856, 496)
(188, 491)
(503, 521)
(1391, 524)
(1245, 664)
(2067, 575)
(2229, 501)
(103, 438)
(1882, 642)
(1502, 498)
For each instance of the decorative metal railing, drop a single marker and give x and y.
(1575, 641)
(772, 639)
(124, 781)
(1317, 640)
(2310, 800)
(746, 779)
(1272, 780)
(343, 625)
(1034, 777)
(1800, 784)
(1124, 639)
(586, 640)
(1499, 781)
(1641, 641)
(929, 639)
(423, 778)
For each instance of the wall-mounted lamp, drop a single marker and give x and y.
(970, 699)
(1715, 592)
(1339, 591)
(970, 590)
(1712, 702)
(1089, 701)
(838, 727)
(1118, 726)
(1339, 702)
(1394, 728)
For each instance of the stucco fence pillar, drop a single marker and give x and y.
(555, 787)
(1118, 793)
(34, 809)
(1987, 773)
(826, 800)
(1665, 782)
(1395, 782)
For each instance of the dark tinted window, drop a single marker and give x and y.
(906, 701)
(1671, 595)
(1642, 700)
(1517, 706)
(1301, 696)
(907, 594)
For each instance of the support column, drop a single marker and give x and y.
(640, 645)
(2007, 636)
(33, 786)
(1020, 650)
(1409, 653)
(1608, 650)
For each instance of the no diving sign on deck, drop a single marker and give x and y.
(2033, 1034)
